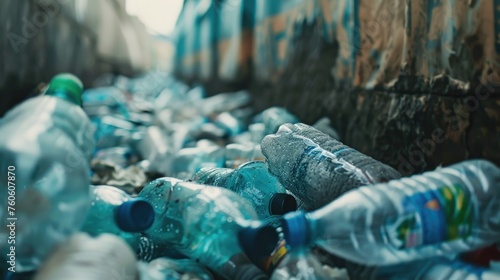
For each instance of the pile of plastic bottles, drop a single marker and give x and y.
(149, 179)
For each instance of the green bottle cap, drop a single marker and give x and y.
(66, 86)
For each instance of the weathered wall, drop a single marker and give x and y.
(411, 83)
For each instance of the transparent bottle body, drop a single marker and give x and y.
(274, 117)
(200, 221)
(438, 268)
(238, 154)
(49, 143)
(188, 161)
(251, 181)
(317, 168)
(438, 213)
(101, 216)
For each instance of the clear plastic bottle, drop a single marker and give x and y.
(202, 222)
(82, 257)
(238, 154)
(165, 268)
(155, 147)
(273, 117)
(229, 122)
(437, 268)
(317, 168)
(120, 156)
(188, 161)
(45, 147)
(105, 101)
(324, 125)
(114, 211)
(300, 265)
(252, 181)
(438, 213)
(224, 102)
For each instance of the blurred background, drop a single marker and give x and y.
(411, 83)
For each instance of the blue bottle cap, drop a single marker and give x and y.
(295, 228)
(258, 240)
(134, 215)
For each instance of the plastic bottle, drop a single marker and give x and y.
(224, 102)
(273, 117)
(156, 148)
(119, 156)
(265, 257)
(253, 182)
(105, 101)
(45, 148)
(447, 211)
(317, 168)
(230, 123)
(113, 211)
(324, 125)
(82, 258)
(300, 265)
(238, 154)
(437, 268)
(110, 131)
(188, 161)
(165, 268)
(202, 222)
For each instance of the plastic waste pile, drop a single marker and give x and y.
(147, 178)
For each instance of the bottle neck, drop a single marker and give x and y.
(299, 229)
(65, 95)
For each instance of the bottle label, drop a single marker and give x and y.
(275, 258)
(432, 217)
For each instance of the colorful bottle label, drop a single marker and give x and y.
(432, 217)
(274, 259)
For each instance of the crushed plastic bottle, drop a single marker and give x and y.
(115, 212)
(202, 222)
(45, 150)
(253, 182)
(443, 212)
(172, 269)
(317, 168)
